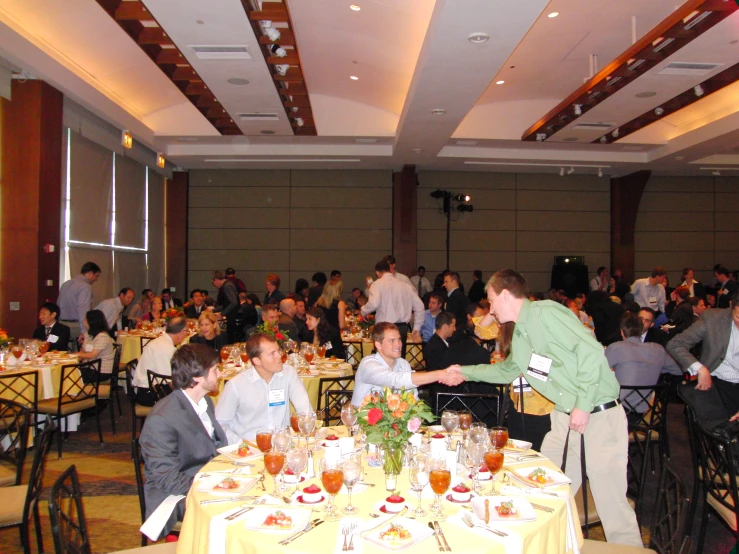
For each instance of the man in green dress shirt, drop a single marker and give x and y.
(561, 360)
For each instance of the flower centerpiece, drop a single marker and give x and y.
(272, 329)
(4, 338)
(389, 419)
(366, 322)
(171, 313)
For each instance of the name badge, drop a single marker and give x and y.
(652, 299)
(276, 398)
(52, 339)
(539, 367)
(521, 385)
(328, 345)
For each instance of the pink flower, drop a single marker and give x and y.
(374, 415)
(414, 424)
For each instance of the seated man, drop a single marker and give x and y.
(650, 333)
(285, 321)
(429, 322)
(386, 368)
(157, 356)
(196, 304)
(636, 363)
(246, 318)
(258, 398)
(434, 349)
(181, 433)
(50, 330)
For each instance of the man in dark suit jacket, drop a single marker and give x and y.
(717, 393)
(434, 349)
(315, 292)
(51, 331)
(477, 290)
(196, 305)
(726, 289)
(456, 303)
(650, 332)
(181, 433)
(168, 301)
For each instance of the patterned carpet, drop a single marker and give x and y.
(111, 503)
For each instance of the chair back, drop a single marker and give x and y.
(143, 341)
(16, 420)
(333, 401)
(129, 371)
(333, 383)
(35, 480)
(717, 472)
(485, 407)
(645, 407)
(138, 469)
(670, 514)
(160, 385)
(67, 515)
(22, 388)
(72, 387)
(116, 363)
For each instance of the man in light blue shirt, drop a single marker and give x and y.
(429, 322)
(650, 291)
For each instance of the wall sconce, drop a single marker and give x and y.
(161, 160)
(127, 139)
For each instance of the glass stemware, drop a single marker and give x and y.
(352, 469)
(306, 424)
(419, 478)
(494, 462)
(499, 436)
(244, 355)
(475, 456)
(297, 460)
(321, 351)
(349, 417)
(281, 443)
(264, 442)
(465, 420)
(17, 351)
(332, 477)
(440, 477)
(225, 353)
(274, 462)
(478, 432)
(450, 422)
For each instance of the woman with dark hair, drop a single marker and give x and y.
(324, 334)
(253, 299)
(695, 288)
(301, 288)
(273, 295)
(97, 343)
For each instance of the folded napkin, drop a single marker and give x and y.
(512, 543)
(153, 526)
(217, 535)
(358, 541)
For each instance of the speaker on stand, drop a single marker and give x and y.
(570, 274)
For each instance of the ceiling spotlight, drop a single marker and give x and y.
(571, 171)
(354, 78)
(438, 111)
(553, 15)
(355, 8)
(600, 172)
(541, 137)
(462, 197)
(295, 109)
(659, 111)
(299, 121)
(698, 90)
(478, 38)
(126, 139)
(499, 82)
(717, 173)
(272, 33)
(282, 68)
(238, 81)
(416, 150)
(161, 160)
(465, 208)
(278, 51)
(578, 109)
(603, 139)
(614, 134)
(561, 171)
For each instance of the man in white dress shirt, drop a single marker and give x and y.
(386, 368)
(390, 259)
(650, 291)
(112, 308)
(260, 397)
(600, 281)
(157, 357)
(420, 283)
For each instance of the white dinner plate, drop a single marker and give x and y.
(208, 485)
(419, 532)
(231, 450)
(515, 445)
(554, 477)
(525, 511)
(256, 517)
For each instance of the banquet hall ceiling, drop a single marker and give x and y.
(375, 76)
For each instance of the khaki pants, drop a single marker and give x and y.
(606, 451)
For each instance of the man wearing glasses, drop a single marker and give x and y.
(651, 333)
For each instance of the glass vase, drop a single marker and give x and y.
(392, 465)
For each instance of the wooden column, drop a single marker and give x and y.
(30, 202)
(405, 224)
(626, 195)
(176, 237)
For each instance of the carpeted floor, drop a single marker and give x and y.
(112, 510)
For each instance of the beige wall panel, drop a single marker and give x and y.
(240, 178)
(465, 262)
(555, 221)
(350, 218)
(675, 221)
(727, 254)
(727, 184)
(679, 184)
(465, 181)
(673, 262)
(473, 241)
(575, 183)
(539, 281)
(239, 239)
(563, 243)
(347, 198)
(727, 221)
(238, 218)
(353, 178)
(482, 220)
(481, 200)
(564, 201)
(673, 242)
(237, 197)
(661, 202)
(727, 202)
(277, 260)
(543, 261)
(345, 239)
(346, 260)
(433, 260)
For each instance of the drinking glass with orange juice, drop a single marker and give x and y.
(274, 460)
(225, 353)
(499, 436)
(440, 477)
(494, 462)
(332, 478)
(321, 351)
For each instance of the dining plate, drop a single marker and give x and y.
(231, 452)
(515, 445)
(208, 485)
(554, 477)
(419, 532)
(257, 519)
(524, 509)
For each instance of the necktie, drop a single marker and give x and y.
(419, 286)
(48, 332)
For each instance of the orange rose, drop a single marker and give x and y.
(367, 399)
(393, 401)
(398, 413)
(403, 406)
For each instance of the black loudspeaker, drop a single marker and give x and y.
(561, 260)
(571, 278)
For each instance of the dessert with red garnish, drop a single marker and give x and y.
(229, 483)
(394, 503)
(243, 450)
(539, 476)
(507, 509)
(483, 474)
(331, 440)
(396, 537)
(438, 436)
(461, 493)
(312, 494)
(278, 520)
(289, 476)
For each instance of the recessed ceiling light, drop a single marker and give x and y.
(199, 21)
(355, 7)
(679, 158)
(647, 94)
(267, 132)
(417, 150)
(499, 82)
(354, 78)
(553, 15)
(238, 81)
(438, 111)
(478, 38)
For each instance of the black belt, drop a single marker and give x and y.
(606, 406)
(401, 323)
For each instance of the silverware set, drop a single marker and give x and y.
(242, 511)
(312, 525)
(440, 538)
(471, 524)
(229, 499)
(348, 532)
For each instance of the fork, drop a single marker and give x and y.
(352, 528)
(345, 532)
(468, 521)
(242, 511)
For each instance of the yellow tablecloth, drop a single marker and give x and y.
(546, 534)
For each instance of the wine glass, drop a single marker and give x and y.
(465, 420)
(284, 355)
(349, 417)
(499, 436)
(494, 462)
(274, 461)
(419, 478)
(297, 460)
(440, 477)
(244, 355)
(475, 456)
(352, 469)
(332, 477)
(225, 353)
(281, 443)
(321, 351)
(43, 347)
(306, 424)
(17, 351)
(264, 441)
(450, 422)
(478, 432)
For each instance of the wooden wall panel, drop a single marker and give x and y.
(176, 232)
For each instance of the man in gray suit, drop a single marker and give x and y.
(181, 434)
(717, 393)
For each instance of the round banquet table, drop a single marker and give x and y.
(546, 534)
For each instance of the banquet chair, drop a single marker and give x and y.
(335, 384)
(161, 385)
(106, 391)
(669, 521)
(138, 412)
(143, 341)
(75, 396)
(333, 401)
(17, 503)
(485, 407)
(21, 388)
(16, 420)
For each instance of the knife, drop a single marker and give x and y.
(313, 526)
(366, 531)
(303, 530)
(438, 541)
(441, 534)
(229, 499)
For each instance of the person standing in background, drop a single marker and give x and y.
(75, 300)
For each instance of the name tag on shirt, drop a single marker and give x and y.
(52, 339)
(652, 299)
(539, 367)
(328, 345)
(276, 398)
(521, 385)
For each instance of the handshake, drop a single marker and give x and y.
(451, 376)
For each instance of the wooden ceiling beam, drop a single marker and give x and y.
(216, 112)
(305, 112)
(207, 101)
(225, 122)
(170, 55)
(298, 102)
(153, 35)
(269, 16)
(286, 38)
(128, 11)
(290, 59)
(294, 89)
(293, 74)
(185, 74)
(196, 89)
